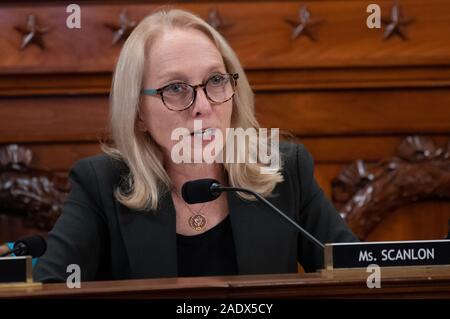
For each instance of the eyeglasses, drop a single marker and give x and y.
(180, 96)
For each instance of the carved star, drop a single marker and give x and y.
(216, 21)
(396, 23)
(32, 33)
(304, 24)
(123, 30)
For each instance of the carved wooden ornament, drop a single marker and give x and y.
(365, 194)
(36, 195)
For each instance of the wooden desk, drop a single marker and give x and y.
(401, 283)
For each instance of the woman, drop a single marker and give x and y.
(125, 218)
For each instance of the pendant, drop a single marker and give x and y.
(197, 222)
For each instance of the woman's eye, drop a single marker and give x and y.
(175, 88)
(217, 79)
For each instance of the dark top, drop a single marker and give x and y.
(208, 254)
(110, 241)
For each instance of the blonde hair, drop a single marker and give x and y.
(147, 178)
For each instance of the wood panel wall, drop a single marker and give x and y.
(349, 95)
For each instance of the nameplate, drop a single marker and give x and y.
(16, 270)
(387, 254)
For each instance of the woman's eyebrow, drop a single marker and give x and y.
(171, 76)
(215, 67)
(179, 75)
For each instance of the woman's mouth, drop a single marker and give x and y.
(204, 133)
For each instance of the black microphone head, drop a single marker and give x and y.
(34, 246)
(199, 191)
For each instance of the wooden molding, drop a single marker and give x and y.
(23, 84)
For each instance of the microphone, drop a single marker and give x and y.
(205, 190)
(34, 246)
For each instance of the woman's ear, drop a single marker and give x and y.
(140, 123)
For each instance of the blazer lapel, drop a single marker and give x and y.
(150, 239)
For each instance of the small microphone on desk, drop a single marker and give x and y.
(205, 190)
(34, 246)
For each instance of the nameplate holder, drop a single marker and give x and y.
(16, 270)
(387, 254)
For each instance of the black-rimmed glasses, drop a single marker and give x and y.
(180, 96)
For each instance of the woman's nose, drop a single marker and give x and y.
(201, 105)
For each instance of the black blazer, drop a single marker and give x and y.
(110, 241)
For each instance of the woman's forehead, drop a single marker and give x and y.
(181, 51)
